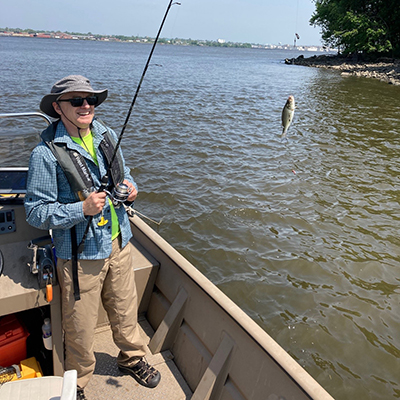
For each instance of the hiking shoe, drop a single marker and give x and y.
(143, 373)
(80, 394)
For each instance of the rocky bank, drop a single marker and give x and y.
(384, 69)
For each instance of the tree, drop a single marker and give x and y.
(359, 26)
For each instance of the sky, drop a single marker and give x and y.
(247, 21)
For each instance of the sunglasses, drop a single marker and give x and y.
(78, 101)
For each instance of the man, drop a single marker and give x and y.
(65, 171)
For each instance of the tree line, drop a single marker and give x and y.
(177, 41)
(359, 26)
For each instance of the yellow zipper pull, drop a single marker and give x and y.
(102, 221)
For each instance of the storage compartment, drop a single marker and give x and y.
(33, 320)
(13, 335)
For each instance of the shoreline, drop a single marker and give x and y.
(384, 69)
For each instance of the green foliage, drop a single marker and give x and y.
(359, 26)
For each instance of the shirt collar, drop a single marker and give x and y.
(62, 136)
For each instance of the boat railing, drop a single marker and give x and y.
(26, 114)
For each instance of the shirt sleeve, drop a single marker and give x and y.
(43, 210)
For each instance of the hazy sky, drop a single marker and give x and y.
(253, 21)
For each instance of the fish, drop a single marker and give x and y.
(287, 114)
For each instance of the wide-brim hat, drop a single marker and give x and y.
(71, 83)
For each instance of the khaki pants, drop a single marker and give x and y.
(111, 281)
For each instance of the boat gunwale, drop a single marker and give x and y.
(297, 373)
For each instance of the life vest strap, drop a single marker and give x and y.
(74, 260)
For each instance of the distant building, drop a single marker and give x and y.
(221, 41)
(20, 34)
(42, 35)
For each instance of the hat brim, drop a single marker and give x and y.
(46, 105)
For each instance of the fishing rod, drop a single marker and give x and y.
(120, 191)
(171, 3)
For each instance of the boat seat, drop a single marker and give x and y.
(43, 388)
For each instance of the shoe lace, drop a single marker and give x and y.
(80, 394)
(144, 370)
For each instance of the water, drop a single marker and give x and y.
(303, 234)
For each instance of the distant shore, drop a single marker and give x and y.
(384, 69)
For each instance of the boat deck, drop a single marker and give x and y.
(109, 383)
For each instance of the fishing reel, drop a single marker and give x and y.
(119, 194)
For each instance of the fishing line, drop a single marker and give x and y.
(104, 180)
(140, 84)
(173, 25)
(293, 170)
(296, 36)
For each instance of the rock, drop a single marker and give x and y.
(385, 69)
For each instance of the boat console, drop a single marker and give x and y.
(12, 184)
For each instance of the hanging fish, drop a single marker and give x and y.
(287, 114)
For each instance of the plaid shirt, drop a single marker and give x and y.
(51, 204)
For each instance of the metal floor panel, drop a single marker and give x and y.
(109, 383)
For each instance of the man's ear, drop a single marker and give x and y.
(56, 107)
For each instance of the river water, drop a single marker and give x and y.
(301, 234)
